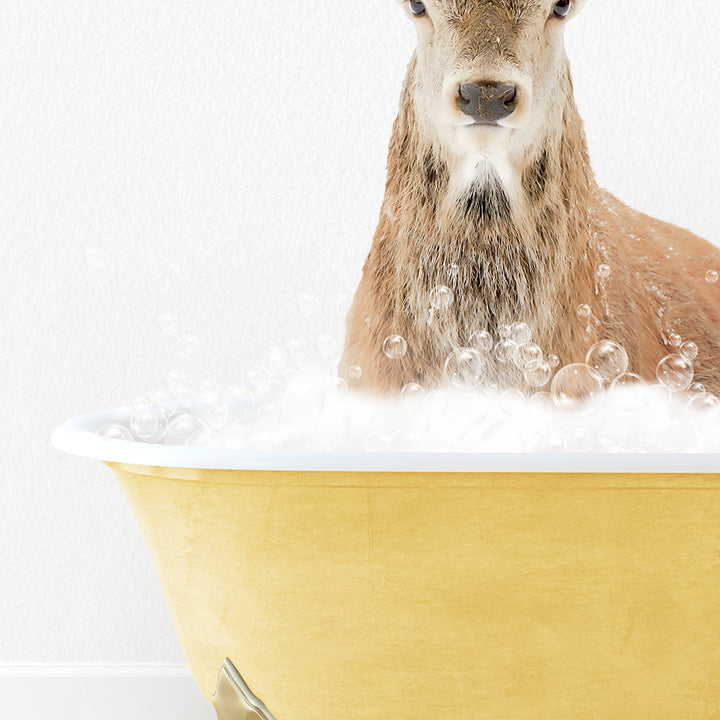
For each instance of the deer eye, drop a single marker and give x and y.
(561, 8)
(417, 8)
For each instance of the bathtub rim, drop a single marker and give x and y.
(78, 437)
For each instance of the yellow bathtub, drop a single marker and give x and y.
(420, 587)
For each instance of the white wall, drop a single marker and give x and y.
(242, 142)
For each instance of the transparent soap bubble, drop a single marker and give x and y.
(188, 346)
(689, 350)
(179, 427)
(675, 372)
(608, 359)
(203, 438)
(505, 351)
(528, 356)
(711, 276)
(464, 368)
(453, 271)
(395, 347)
(218, 418)
(412, 395)
(584, 310)
(299, 350)
(553, 361)
(696, 389)
(538, 376)
(520, 333)
(169, 323)
(268, 415)
(441, 297)
(435, 402)
(482, 341)
(675, 340)
(326, 345)
(239, 399)
(147, 425)
(574, 386)
(115, 431)
(355, 373)
(706, 401)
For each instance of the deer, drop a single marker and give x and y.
(490, 197)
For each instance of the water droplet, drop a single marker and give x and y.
(441, 298)
(538, 376)
(711, 276)
(395, 347)
(553, 361)
(482, 341)
(115, 431)
(520, 333)
(355, 373)
(608, 359)
(208, 391)
(169, 323)
(464, 368)
(584, 310)
(675, 372)
(675, 340)
(574, 386)
(604, 272)
(689, 350)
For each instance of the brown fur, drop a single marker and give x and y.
(533, 260)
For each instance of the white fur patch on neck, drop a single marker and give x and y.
(483, 168)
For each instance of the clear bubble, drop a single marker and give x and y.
(675, 372)
(608, 359)
(268, 415)
(239, 399)
(520, 333)
(412, 395)
(179, 427)
(584, 310)
(337, 385)
(539, 376)
(258, 378)
(711, 276)
(696, 389)
(604, 272)
(706, 401)
(441, 297)
(218, 418)
(147, 425)
(464, 368)
(395, 347)
(164, 400)
(689, 350)
(553, 361)
(115, 431)
(575, 386)
(435, 402)
(674, 340)
(169, 323)
(528, 356)
(203, 438)
(208, 391)
(188, 346)
(482, 341)
(504, 332)
(299, 350)
(504, 351)
(355, 373)
(326, 345)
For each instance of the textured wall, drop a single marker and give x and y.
(215, 159)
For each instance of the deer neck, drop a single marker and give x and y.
(511, 237)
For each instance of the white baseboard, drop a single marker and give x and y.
(92, 691)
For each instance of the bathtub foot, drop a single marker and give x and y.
(233, 699)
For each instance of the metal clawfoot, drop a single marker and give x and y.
(233, 699)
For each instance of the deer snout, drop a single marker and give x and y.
(487, 102)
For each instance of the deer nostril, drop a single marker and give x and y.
(464, 94)
(509, 96)
(487, 102)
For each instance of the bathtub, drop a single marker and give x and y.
(415, 587)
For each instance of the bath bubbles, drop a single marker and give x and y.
(275, 358)
(309, 306)
(395, 347)
(179, 427)
(441, 298)
(304, 400)
(147, 425)
(689, 350)
(584, 310)
(528, 356)
(482, 341)
(188, 346)
(604, 272)
(169, 323)
(575, 386)
(675, 372)
(711, 276)
(208, 391)
(115, 431)
(464, 368)
(204, 439)
(240, 400)
(538, 376)
(326, 345)
(412, 395)
(505, 351)
(628, 380)
(299, 350)
(520, 333)
(695, 390)
(674, 340)
(218, 418)
(608, 359)
(379, 442)
(355, 373)
(553, 361)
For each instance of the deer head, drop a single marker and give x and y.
(490, 79)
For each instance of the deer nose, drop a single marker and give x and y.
(487, 102)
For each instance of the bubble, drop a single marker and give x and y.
(520, 333)
(179, 427)
(675, 372)
(574, 386)
(208, 391)
(237, 437)
(711, 276)
(188, 346)
(553, 361)
(337, 385)
(412, 395)
(504, 351)
(608, 359)
(258, 378)
(604, 272)
(674, 339)
(218, 418)
(504, 331)
(303, 401)
(464, 368)
(299, 350)
(275, 358)
(204, 439)
(268, 414)
(584, 310)
(453, 271)
(628, 380)
(539, 376)
(441, 297)
(355, 373)
(169, 323)
(696, 389)
(528, 356)
(147, 425)
(689, 350)
(482, 341)
(395, 347)
(706, 401)
(115, 431)
(435, 402)
(239, 399)
(164, 400)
